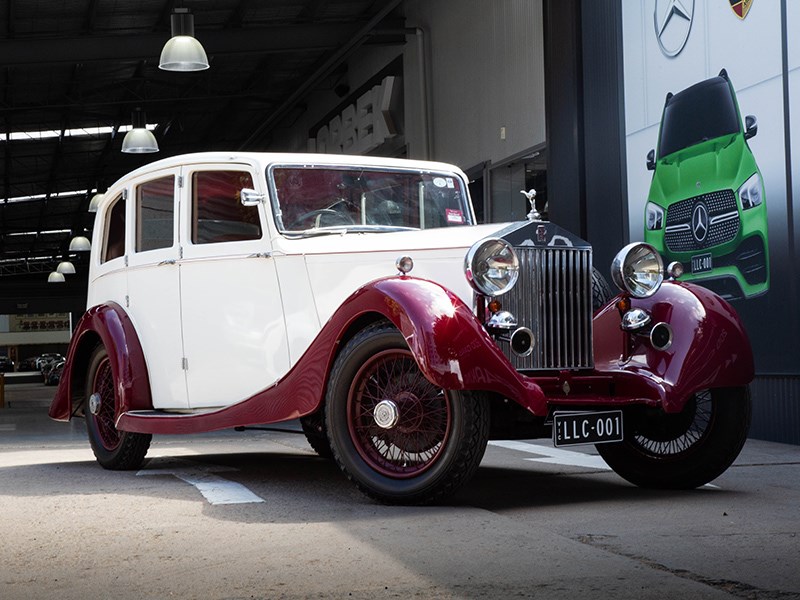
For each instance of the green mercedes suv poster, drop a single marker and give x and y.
(706, 206)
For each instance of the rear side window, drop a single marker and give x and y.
(155, 214)
(114, 246)
(217, 212)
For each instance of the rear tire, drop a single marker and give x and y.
(314, 429)
(397, 436)
(113, 449)
(685, 450)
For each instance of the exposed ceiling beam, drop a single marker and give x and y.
(312, 10)
(286, 38)
(84, 105)
(91, 15)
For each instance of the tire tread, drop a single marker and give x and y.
(712, 457)
(471, 445)
(132, 449)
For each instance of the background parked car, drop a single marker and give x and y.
(48, 363)
(28, 364)
(53, 375)
(46, 358)
(6, 364)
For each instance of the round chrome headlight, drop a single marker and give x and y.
(492, 267)
(638, 270)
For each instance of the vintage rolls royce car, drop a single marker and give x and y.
(358, 295)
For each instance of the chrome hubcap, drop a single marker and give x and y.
(94, 403)
(386, 414)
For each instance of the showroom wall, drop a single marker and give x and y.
(486, 73)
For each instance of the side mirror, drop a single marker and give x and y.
(250, 197)
(750, 126)
(651, 160)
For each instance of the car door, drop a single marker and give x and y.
(233, 327)
(154, 285)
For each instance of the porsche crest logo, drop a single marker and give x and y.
(741, 7)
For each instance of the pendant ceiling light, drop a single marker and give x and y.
(65, 267)
(80, 243)
(139, 140)
(94, 203)
(56, 277)
(183, 52)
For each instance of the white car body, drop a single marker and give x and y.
(236, 316)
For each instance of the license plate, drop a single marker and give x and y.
(702, 263)
(575, 428)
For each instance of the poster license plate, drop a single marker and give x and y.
(702, 263)
(572, 429)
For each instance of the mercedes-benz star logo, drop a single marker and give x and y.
(672, 20)
(700, 223)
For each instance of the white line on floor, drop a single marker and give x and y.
(555, 456)
(215, 489)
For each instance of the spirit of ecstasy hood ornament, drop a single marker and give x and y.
(533, 215)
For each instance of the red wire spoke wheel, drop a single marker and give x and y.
(103, 393)
(113, 449)
(397, 436)
(399, 421)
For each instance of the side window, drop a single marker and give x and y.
(217, 213)
(155, 213)
(114, 245)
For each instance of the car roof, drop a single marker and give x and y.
(268, 158)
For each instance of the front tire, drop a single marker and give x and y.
(397, 436)
(685, 450)
(601, 291)
(113, 449)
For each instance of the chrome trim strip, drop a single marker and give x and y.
(731, 216)
(674, 228)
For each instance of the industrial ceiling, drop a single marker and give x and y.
(71, 65)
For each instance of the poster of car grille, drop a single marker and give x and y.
(712, 143)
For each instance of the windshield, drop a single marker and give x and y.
(308, 198)
(702, 112)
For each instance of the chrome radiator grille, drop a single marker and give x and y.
(553, 298)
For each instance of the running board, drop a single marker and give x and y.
(264, 408)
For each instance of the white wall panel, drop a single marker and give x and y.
(486, 72)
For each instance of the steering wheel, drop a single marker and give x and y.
(343, 218)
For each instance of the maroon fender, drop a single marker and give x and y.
(109, 324)
(451, 347)
(709, 349)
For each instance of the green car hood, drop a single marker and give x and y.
(722, 163)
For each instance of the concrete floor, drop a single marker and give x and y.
(257, 515)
